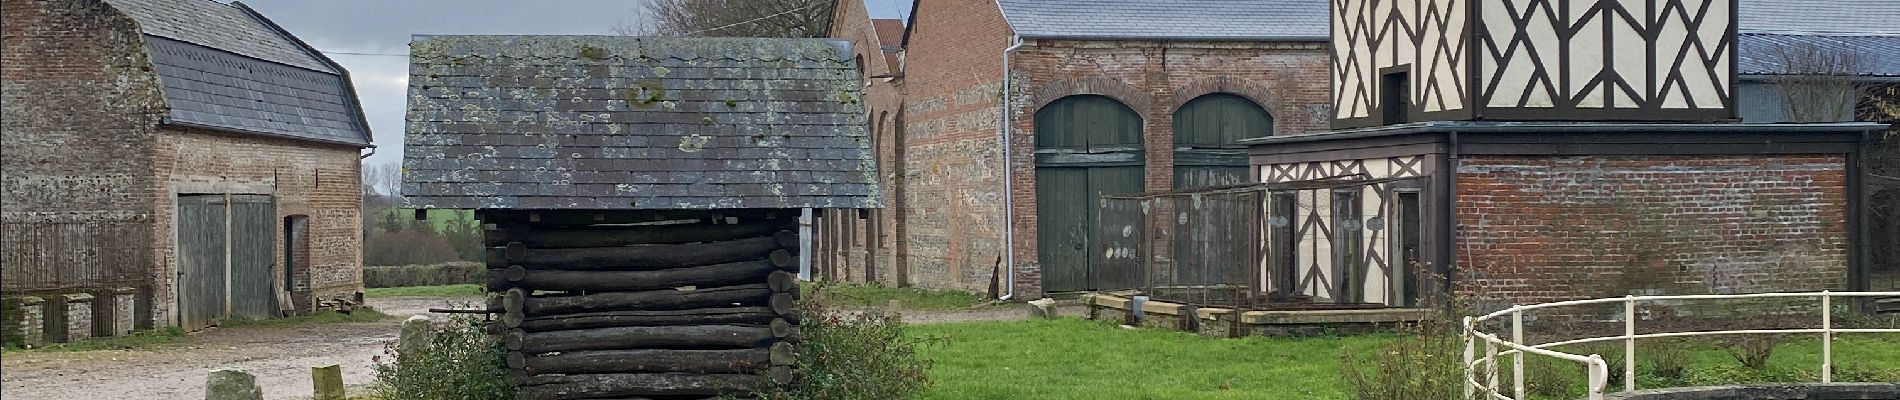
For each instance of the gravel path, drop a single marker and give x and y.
(281, 358)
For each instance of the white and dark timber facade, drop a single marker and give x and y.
(1515, 60)
(642, 196)
(1537, 151)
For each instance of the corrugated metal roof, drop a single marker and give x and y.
(224, 67)
(1170, 19)
(1771, 54)
(609, 122)
(1820, 16)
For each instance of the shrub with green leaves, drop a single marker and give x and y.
(461, 363)
(854, 355)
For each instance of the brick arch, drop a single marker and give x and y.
(1259, 94)
(1049, 92)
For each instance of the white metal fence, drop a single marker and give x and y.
(1486, 365)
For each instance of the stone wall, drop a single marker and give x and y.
(22, 321)
(869, 252)
(1537, 229)
(76, 127)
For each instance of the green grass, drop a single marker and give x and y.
(425, 291)
(850, 295)
(1079, 359)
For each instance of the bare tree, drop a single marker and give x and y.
(1820, 83)
(733, 18)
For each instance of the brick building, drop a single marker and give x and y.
(1555, 165)
(191, 152)
(863, 246)
(1091, 99)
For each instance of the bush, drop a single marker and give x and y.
(407, 247)
(854, 355)
(1751, 350)
(462, 363)
(424, 275)
(1426, 362)
(1668, 359)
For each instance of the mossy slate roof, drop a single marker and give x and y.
(612, 122)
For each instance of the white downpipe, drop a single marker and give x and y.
(1009, 192)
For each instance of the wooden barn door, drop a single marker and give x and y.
(1207, 135)
(253, 257)
(201, 260)
(1086, 146)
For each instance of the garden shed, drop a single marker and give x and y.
(640, 196)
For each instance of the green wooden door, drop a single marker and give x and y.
(1086, 146)
(201, 261)
(253, 257)
(1207, 135)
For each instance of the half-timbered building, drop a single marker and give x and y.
(1533, 151)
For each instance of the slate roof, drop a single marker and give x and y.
(226, 67)
(1870, 28)
(1169, 19)
(610, 122)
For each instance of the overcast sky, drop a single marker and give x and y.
(384, 27)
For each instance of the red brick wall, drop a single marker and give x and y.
(1536, 229)
(952, 201)
(883, 97)
(77, 120)
(321, 181)
(1288, 79)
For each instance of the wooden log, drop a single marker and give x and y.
(734, 361)
(732, 315)
(549, 218)
(787, 239)
(784, 260)
(629, 258)
(783, 353)
(782, 281)
(727, 274)
(706, 337)
(622, 385)
(668, 299)
(779, 375)
(625, 235)
(783, 304)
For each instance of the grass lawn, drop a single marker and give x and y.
(1080, 359)
(425, 291)
(850, 295)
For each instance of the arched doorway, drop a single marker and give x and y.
(1086, 146)
(1207, 134)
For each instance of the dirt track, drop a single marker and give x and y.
(281, 358)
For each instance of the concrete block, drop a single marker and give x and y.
(1043, 308)
(328, 381)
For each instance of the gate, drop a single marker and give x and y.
(201, 252)
(253, 257)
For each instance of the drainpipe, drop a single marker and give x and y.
(1009, 192)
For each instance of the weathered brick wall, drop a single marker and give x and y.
(1534, 229)
(78, 107)
(320, 181)
(952, 205)
(1288, 79)
(883, 97)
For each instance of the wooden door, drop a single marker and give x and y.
(201, 260)
(1207, 135)
(1086, 146)
(253, 257)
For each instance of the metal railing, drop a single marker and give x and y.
(1597, 368)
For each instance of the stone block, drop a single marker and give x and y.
(1043, 308)
(328, 381)
(23, 321)
(68, 317)
(415, 336)
(112, 312)
(232, 384)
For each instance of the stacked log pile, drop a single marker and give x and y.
(597, 309)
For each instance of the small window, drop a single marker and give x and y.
(1282, 261)
(1348, 264)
